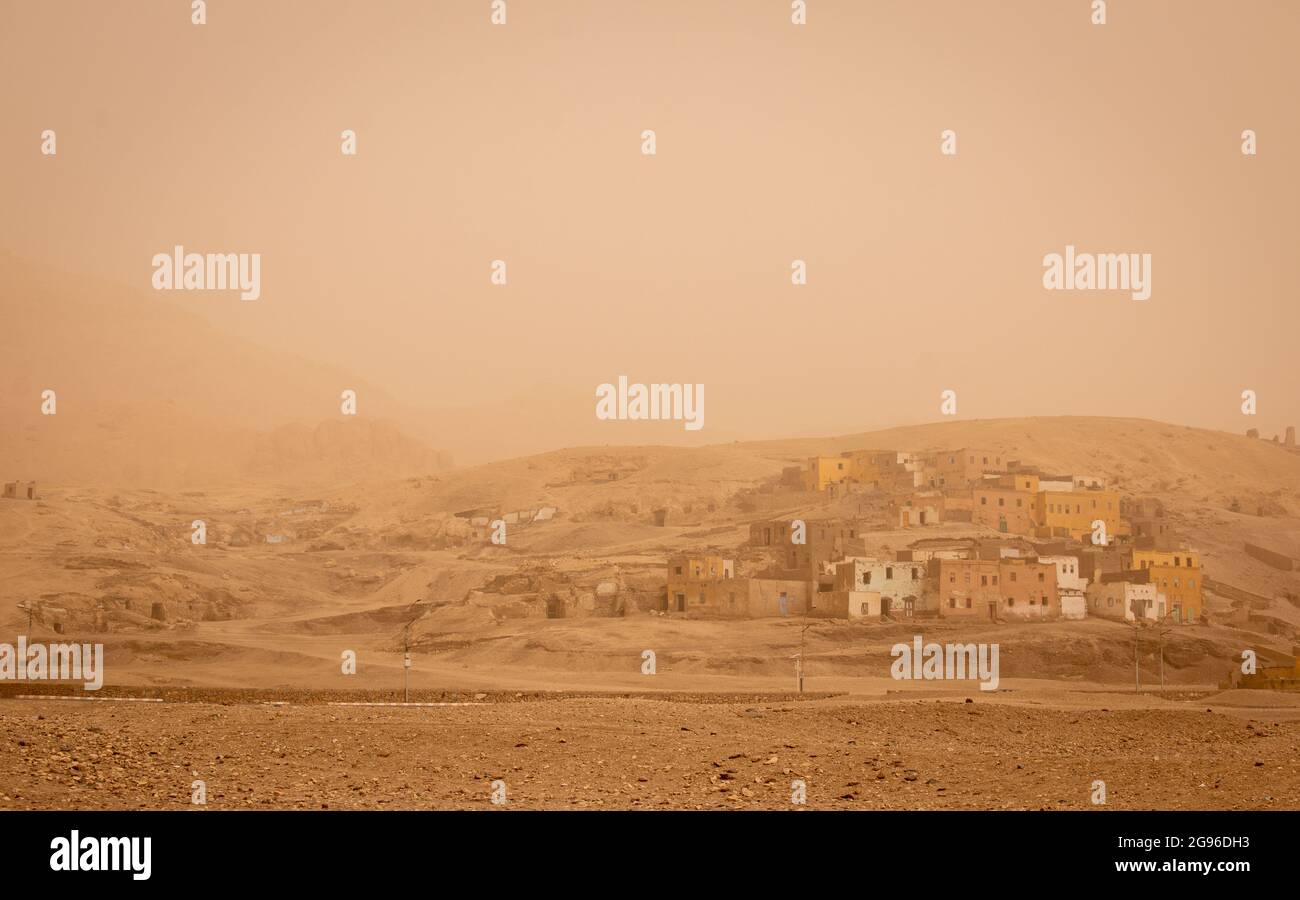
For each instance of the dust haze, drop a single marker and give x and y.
(472, 511)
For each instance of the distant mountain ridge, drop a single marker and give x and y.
(151, 395)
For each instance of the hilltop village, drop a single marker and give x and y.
(1042, 546)
(722, 532)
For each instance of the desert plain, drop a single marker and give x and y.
(223, 660)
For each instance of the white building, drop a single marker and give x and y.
(1070, 585)
(899, 583)
(1067, 573)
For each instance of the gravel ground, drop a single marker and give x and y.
(622, 753)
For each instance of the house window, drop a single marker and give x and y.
(984, 579)
(968, 602)
(1011, 601)
(1013, 576)
(952, 603)
(679, 570)
(1040, 577)
(889, 572)
(995, 579)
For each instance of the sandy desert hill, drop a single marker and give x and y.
(149, 395)
(352, 564)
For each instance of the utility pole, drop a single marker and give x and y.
(1162, 659)
(406, 650)
(1137, 672)
(798, 666)
(803, 631)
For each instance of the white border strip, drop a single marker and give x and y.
(101, 699)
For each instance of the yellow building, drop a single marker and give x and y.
(879, 468)
(689, 578)
(1177, 575)
(826, 470)
(885, 469)
(1073, 512)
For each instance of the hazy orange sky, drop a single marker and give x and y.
(775, 142)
